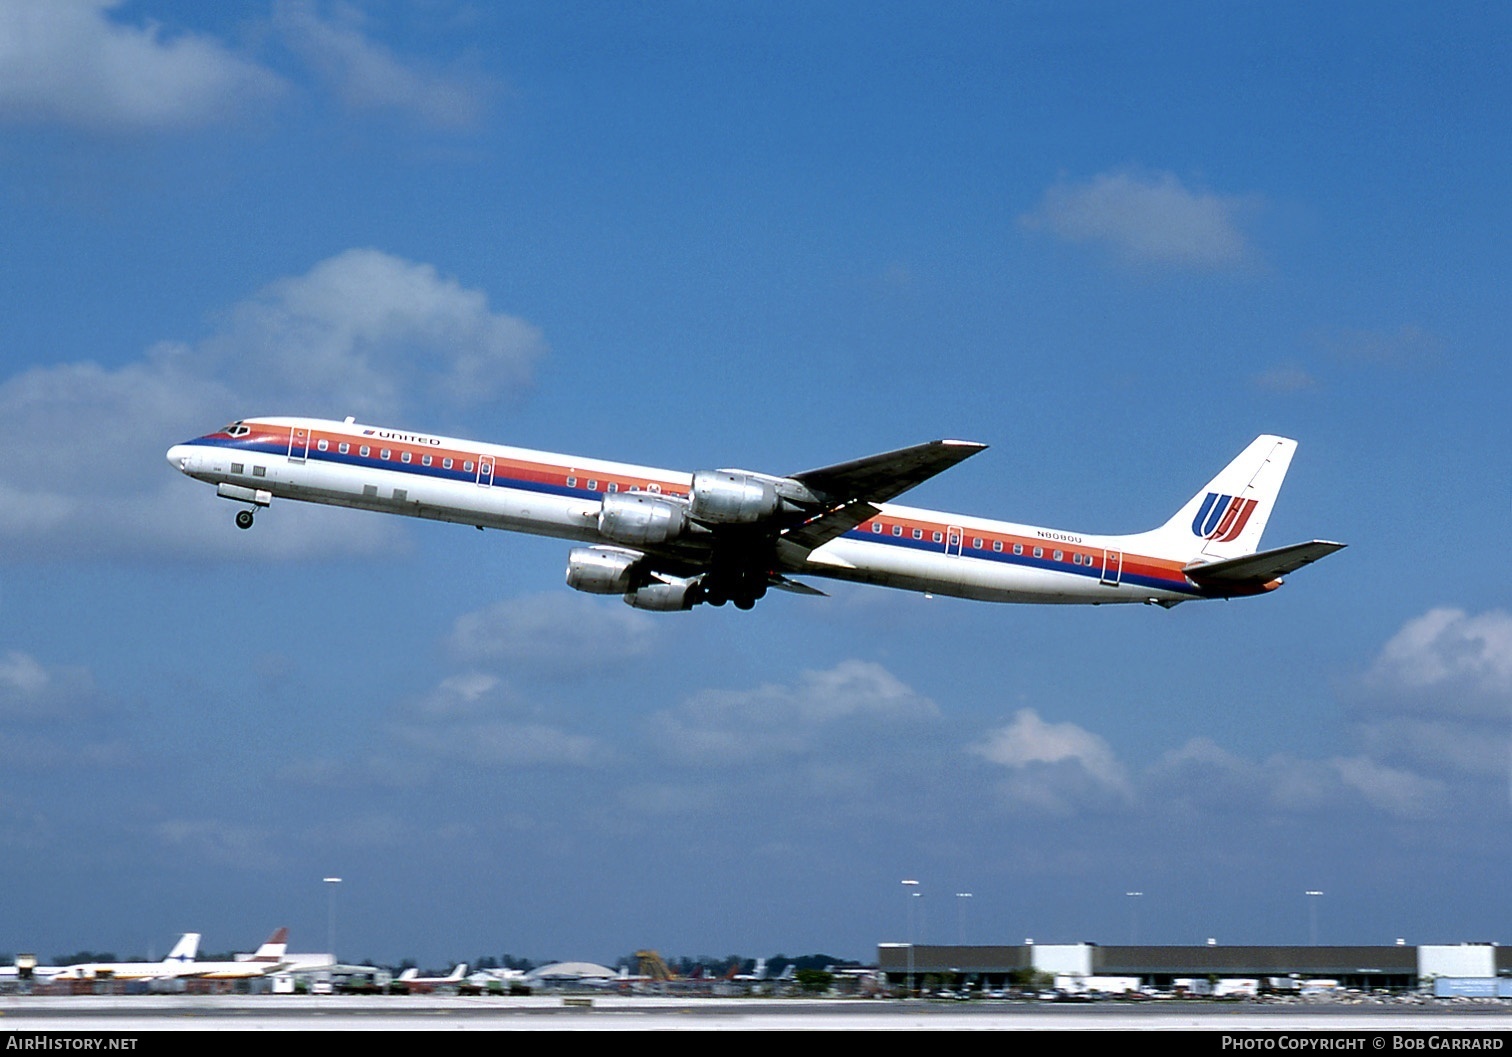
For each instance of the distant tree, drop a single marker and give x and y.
(814, 981)
(80, 957)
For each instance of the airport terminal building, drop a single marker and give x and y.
(1091, 966)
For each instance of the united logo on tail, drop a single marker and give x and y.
(1222, 517)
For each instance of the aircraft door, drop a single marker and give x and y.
(1112, 568)
(485, 471)
(299, 444)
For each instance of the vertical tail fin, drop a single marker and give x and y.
(185, 949)
(273, 949)
(1227, 517)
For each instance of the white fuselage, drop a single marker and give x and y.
(500, 487)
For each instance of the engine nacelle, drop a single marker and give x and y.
(730, 497)
(639, 518)
(666, 597)
(601, 570)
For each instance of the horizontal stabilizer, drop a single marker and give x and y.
(1261, 567)
(878, 478)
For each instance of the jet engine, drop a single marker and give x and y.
(666, 596)
(639, 518)
(602, 570)
(733, 497)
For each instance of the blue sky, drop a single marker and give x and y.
(1113, 242)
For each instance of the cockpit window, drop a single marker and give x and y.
(237, 429)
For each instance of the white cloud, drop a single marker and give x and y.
(561, 631)
(715, 727)
(66, 61)
(1391, 789)
(1450, 650)
(1439, 695)
(29, 690)
(368, 76)
(371, 333)
(473, 718)
(1054, 766)
(361, 333)
(1146, 219)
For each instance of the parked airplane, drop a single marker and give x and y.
(182, 954)
(416, 984)
(269, 958)
(756, 975)
(667, 540)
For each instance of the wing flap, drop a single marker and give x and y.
(1262, 566)
(817, 532)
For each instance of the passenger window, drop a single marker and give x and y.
(1039, 552)
(572, 482)
(425, 460)
(1060, 556)
(918, 534)
(997, 545)
(1018, 548)
(446, 464)
(897, 530)
(614, 486)
(365, 451)
(976, 543)
(592, 485)
(323, 444)
(384, 454)
(345, 447)
(876, 526)
(405, 457)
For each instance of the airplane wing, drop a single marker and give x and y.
(795, 587)
(820, 530)
(1261, 567)
(853, 488)
(878, 478)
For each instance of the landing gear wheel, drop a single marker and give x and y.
(244, 519)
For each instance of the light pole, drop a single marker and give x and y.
(1312, 913)
(1134, 898)
(910, 892)
(961, 898)
(331, 883)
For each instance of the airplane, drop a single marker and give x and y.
(416, 984)
(668, 541)
(756, 975)
(269, 958)
(26, 968)
(181, 955)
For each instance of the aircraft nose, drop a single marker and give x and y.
(178, 457)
